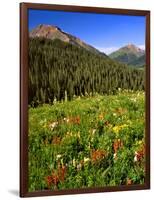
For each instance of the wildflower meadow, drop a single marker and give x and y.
(90, 141)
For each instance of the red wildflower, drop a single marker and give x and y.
(77, 120)
(106, 123)
(73, 120)
(117, 144)
(56, 176)
(49, 181)
(55, 179)
(129, 181)
(97, 155)
(139, 155)
(56, 140)
(62, 173)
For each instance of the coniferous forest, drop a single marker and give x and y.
(58, 69)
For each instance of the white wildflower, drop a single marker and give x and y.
(58, 156)
(66, 120)
(86, 160)
(53, 125)
(114, 155)
(93, 131)
(79, 166)
(134, 99)
(135, 157)
(74, 162)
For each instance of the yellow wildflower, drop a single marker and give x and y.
(116, 129)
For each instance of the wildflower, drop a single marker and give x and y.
(139, 142)
(73, 120)
(129, 181)
(101, 116)
(106, 123)
(55, 178)
(79, 166)
(67, 120)
(78, 120)
(139, 155)
(93, 131)
(115, 155)
(56, 140)
(134, 99)
(74, 162)
(97, 155)
(86, 160)
(48, 181)
(117, 144)
(77, 135)
(62, 172)
(135, 157)
(52, 179)
(64, 119)
(116, 129)
(69, 134)
(53, 125)
(58, 156)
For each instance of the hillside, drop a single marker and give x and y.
(139, 62)
(54, 32)
(61, 70)
(130, 55)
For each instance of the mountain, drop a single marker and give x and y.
(54, 32)
(129, 54)
(138, 62)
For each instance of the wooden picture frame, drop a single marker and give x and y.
(24, 68)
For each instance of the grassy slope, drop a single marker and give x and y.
(80, 135)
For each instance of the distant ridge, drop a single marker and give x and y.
(129, 54)
(54, 32)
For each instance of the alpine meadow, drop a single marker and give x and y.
(86, 107)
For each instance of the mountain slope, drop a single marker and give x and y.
(58, 70)
(129, 55)
(139, 62)
(54, 32)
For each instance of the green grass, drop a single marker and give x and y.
(87, 142)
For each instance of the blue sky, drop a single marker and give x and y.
(107, 32)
